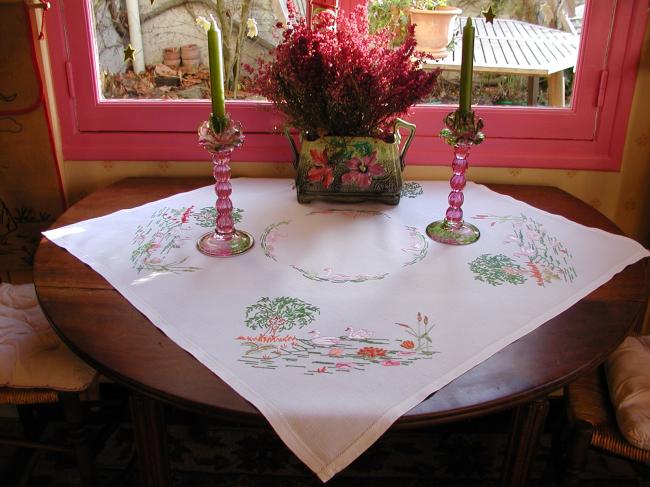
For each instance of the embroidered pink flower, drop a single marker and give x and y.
(340, 79)
(362, 170)
(185, 217)
(335, 352)
(524, 252)
(391, 363)
(321, 171)
(343, 365)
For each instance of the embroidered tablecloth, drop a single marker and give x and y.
(342, 318)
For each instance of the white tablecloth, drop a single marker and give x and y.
(342, 318)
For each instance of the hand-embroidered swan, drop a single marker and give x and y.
(316, 339)
(359, 334)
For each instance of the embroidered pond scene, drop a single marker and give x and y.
(167, 230)
(283, 342)
(538, 255)
(384, 246)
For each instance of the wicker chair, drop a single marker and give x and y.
(78, 446)
(30, 370)
(592, 422)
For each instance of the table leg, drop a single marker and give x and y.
(556, 89)
(150, 441)
(533, 90)
(74, 416)
(527, 426)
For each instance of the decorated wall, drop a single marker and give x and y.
(30, 192)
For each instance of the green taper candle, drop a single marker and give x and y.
(215, 55)
(466, 68)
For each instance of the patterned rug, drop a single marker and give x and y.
(206, 453)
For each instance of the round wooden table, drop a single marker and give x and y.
(104, 329)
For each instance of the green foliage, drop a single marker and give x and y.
(429, 4)
(497, 269)
(279, 314)
(389, 15)
(364, 148)
(206, 217)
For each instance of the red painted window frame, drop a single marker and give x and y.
(588, 135)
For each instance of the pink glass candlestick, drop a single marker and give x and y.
(453, 230)
(461, 132)
(225, 240)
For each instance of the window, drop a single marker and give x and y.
(587, 134)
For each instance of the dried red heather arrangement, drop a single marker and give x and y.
(338, 79)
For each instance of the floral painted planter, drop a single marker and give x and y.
(433, 29)
(351, 169)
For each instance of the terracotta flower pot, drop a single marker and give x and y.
(171, 57)
(433, 29)
(191, 55)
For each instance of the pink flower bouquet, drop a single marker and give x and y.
(344, 89)
(338, 79)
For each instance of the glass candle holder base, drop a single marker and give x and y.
(451, 233)
(219, 245)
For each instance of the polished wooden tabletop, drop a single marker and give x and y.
(108, 332)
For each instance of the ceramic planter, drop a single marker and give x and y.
(191, 55)
(351, 169)
(171, 57)
(433, 29)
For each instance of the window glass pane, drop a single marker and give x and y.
(171, 52)
(527, 56)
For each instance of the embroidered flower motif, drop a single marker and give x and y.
(335, 352)
(321, 171)
(185, 217)
(321, 370)
(362, 170)
(407, 344)
(343, 365)
(391, 363)
(371, 352)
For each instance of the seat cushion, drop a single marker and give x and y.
(31, 354)
(628, 376)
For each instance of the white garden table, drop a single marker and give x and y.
(516, 47)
